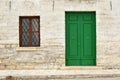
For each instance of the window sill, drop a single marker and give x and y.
(25, 49)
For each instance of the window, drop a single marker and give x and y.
(29, 31)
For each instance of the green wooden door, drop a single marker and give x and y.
(80, 38)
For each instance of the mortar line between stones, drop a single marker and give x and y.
(53, 5)
(10, 5)
(111, 5)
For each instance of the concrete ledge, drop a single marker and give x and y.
(83, 73)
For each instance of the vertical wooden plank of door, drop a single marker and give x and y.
(88, 58)
(72, 30)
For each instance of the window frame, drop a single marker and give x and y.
(29, 31)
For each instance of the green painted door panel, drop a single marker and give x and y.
(80, 38)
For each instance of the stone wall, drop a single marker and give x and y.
(51, 53)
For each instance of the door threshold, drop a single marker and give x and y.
(81, 68)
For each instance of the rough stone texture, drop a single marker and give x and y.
(51, 53)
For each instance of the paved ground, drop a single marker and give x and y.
(59, 78)
(45, 78)
(67, 79)
(118, 78)
(91, 79)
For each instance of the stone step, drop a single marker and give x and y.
(81, 68)
(56, 74)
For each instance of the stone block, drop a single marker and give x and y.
(2, 67)
(2, 46)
